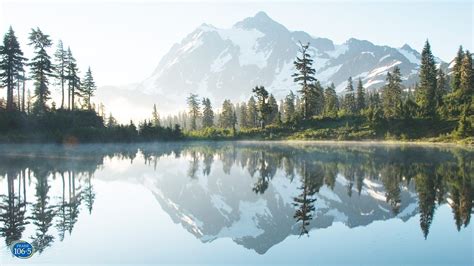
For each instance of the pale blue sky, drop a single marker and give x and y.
(123, 40)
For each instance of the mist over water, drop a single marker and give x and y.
(238, 202)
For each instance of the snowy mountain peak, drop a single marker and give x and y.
(407, 47)
(227, 63)
(262, 22)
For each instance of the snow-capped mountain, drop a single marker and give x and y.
(228, 63)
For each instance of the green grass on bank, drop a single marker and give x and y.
(347, 128)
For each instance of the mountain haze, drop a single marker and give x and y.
(228, 63)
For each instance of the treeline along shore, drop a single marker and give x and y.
(439, 108)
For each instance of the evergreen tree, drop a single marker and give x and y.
(360, 96)
(305, 78)
(289, 107)
(88, 88)
(252, 116)
(392, 94)
(317, 99)
(111, 122)
(73, 80)
(207, 113)
(350, 104)
(263, 107)
(61, 65)
(243, 116)
(442, 88)
(330, 101)
(11, 65)
(466, 86)
(227, 119)
(194, 109)
(155, 117)
(456, 76)
(426, 92)
(273, 110)
(41, 68)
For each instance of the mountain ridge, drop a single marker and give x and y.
(227, 63)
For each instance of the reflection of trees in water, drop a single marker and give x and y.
(439, 175)
(41, 167)
(395, 167)
(42, 211)
(312, 178)
(13, 209)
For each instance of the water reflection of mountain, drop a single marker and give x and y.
(256, 194)
(279, 191)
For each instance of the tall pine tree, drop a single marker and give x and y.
(243, 116)
(11, 65)
(155, 117)
(466, 86)
(360, 97)
(392, 95)
(456, 76)
(262, 106)
(289, 107)
(350, 104)
(426, 91)
(273, 110)
(330, 101)
(305, 78)
(73, 80)
(88, 88)
(207, 113)
(194, 109)
(41, 69)
(61, 65)
(228, 119)
(252, 113)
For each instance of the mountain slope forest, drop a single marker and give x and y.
(439, 107)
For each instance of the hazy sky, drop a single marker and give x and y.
(123, 41)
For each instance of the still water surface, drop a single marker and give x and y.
(238, 202)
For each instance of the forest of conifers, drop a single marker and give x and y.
(438, 108)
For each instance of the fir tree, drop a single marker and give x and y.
(41, 68)
(456, 76)
(73, 80)
(252, 116)
(194, 109)
(289, 107)
(360, 97)
(263, 107)
(243, 116)
(426, 92)
(273, 110)
(61, 65)
(350, 104)
(330, 101)
(88, 88)
(228, 118)
(466, 86)
(207, 113)
(11, 65)
(155, 117)
(305, 78)
(392, 95)
(442, 87)
(111, 122)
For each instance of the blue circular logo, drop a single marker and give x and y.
(22, 249)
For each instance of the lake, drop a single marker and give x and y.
(238, 202)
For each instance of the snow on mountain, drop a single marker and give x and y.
(228, 63)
